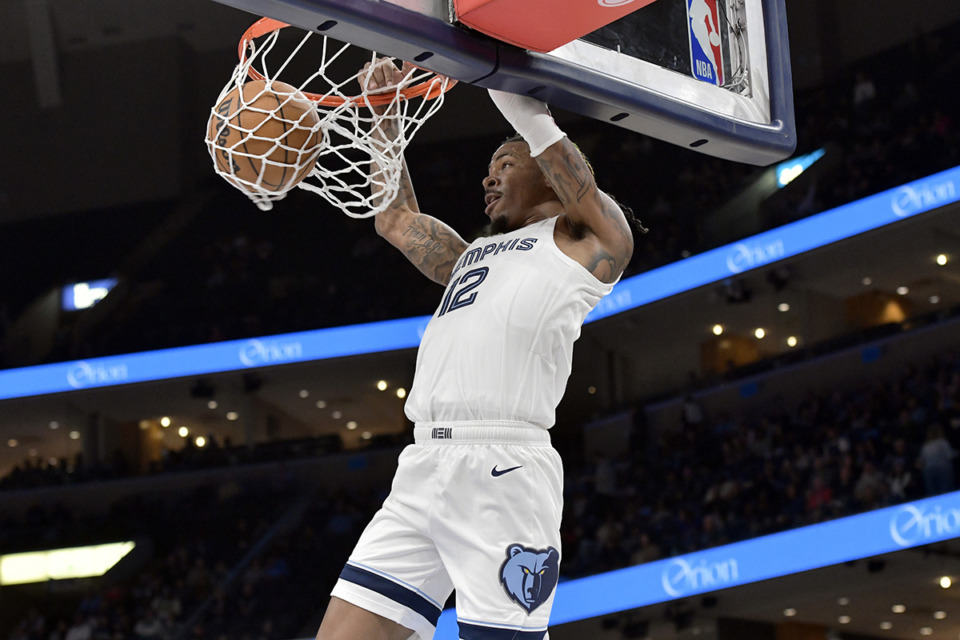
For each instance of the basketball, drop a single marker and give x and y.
(265, 140)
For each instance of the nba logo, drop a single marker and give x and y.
(706, 54)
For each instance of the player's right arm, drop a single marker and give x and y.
(431, 245)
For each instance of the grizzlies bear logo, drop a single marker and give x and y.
(529, 576)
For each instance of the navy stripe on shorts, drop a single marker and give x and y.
(390, 589)
(478, 632)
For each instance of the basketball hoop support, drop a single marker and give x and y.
(446, 48)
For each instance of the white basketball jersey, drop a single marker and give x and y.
(500, 346)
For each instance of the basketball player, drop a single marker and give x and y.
(476, 501)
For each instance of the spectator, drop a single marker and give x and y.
(81, 629)
(149, 626)
(692, 414)
(870, 489)
(901, 481)
(167, 605)
(936, 462)
(647, 551)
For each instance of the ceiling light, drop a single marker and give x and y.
(790, 612)
(201, 441)
(783, 307)
(12, 442)
(212, 404)
(788, 170)
(321, 404)
(74, 435)
(844, 619)
(54, 424)
(401, 392)
(366, 435)
(760, 333)
(886, 625)
(382, 385)
(925, 631)
(898, 608)
(903, 291)
(232, 415)
(304, 393)
(945, 582)
(843, 601)
(61, 564)
(352, 425)
(183, 432)
(941, 259)
(939, 615)
(165, 421)
(867, 281)
(792, 341)
(591, 389)
(934, 299)
(717, 329)
(336, 415)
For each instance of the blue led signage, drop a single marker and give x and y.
(820, 545)
(757, 251)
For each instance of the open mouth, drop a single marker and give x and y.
(490, 198)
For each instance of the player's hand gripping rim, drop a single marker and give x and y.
(382, 76)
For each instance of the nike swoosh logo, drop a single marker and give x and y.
(499, 472)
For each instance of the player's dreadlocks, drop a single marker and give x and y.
(627, 211)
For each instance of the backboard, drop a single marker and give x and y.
(709, 75)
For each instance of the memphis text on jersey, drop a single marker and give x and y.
(477, 255)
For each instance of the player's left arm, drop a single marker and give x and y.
(590, 211)
(596, 220)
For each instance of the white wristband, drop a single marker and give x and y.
(530, 117)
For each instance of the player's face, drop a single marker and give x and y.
(513, 186)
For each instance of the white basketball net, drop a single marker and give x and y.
(354, 135)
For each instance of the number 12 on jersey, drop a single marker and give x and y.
(461, 292)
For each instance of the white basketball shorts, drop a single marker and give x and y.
(474, 507)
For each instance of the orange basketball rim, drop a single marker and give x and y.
(428, 88)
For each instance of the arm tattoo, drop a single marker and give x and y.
(431, 247)
(429, 244)
(604, 266)
(618, 222)
(580, 173)
(589, 209)
(572, 181)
